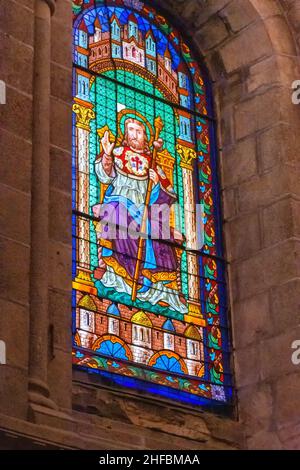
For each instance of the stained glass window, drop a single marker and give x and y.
(149, 294)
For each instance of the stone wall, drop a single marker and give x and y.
(251, 49)
(15, 175)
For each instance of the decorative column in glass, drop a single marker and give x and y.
(187, 156)
(84, 114)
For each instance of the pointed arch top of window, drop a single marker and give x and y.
(137, 83)
(174, 70)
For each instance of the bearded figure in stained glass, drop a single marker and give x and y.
(135, 184)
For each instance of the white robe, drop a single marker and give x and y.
(134, 190)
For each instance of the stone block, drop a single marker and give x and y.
(296, 217)
(186, 10)
(16, 154)
(290, 436)
(212, 33)
(285, 306)
(276, 355)
(270, 267)
(239, 51)
(278, 221)
(215, 67)
(60, 312)
(14, 330)
(233, 284)
(208, 9)
(229, 200)
(61, 125)
(243, 238)
(163, 419)
(280, 35)
(26, 3)
(273, 70)
(61, 83)
(60, 169)
(60, 216)
(60, 378)
(282, 262)
(251, 320)
(17, 21)
(266, 188)
(14, 272)
(161, 442)
(61, 44)
(239, 14)
(294, 16)
(16, 115)
(16, 62)
(247, 366)
(292, 444)
(230, 90)
(238, 162)
(280, 143)
(262, 111)
(227, 126)
(63, 13)
(287, 404)
(266, 8)
(60, 266)
(256, 408)
(264, 440)
(263, 74)
(14, 214)
(226, 429)
(13, 391)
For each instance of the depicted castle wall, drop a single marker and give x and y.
(126, 43)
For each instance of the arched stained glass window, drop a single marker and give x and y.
(146, 229)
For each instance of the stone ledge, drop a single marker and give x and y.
(75, 430)
(151, 416)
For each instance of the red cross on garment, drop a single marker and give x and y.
(137, 162)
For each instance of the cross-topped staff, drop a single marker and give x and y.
(158, 125)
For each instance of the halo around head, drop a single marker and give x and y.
(131, 113)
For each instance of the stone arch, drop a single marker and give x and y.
(223, 33)
(250, 50)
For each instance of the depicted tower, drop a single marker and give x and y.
(81, 49)
(184, 95)
(86, 314)
(99, 44)
(150, 52)
(133, 31)
(169, 332)
(133, 45)
(113, 320)
(166, 75)
(194, 349)
(141, 337)
(116, 44)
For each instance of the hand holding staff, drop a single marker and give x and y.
(158, 124)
